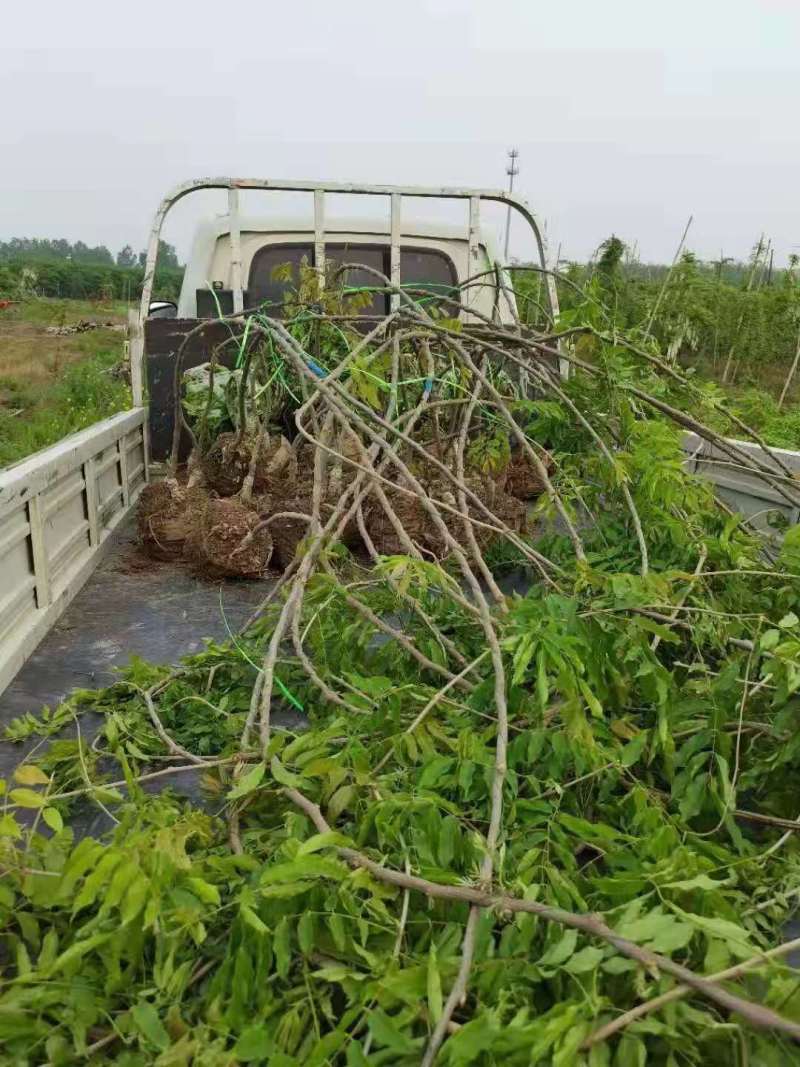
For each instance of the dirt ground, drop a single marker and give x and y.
(30, 353)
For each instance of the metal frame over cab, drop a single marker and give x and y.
(319, 190)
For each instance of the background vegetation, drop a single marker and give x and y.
(58, 268)
(735, 326)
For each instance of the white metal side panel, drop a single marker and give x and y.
(743, 490)
(58, 509)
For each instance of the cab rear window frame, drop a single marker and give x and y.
(338, 247)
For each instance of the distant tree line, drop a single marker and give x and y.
(60, 268)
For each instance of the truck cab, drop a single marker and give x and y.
(435, 258)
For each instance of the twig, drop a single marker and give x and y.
(682, 599)
(172, 746)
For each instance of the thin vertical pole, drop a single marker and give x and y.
(136, 356)
(236, 250)
(319, 236)
(511, 170)
(473, 244)
(394, 250)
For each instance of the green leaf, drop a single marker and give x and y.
(28, 774)
(735, 938)
(561, 951)
(619, 965)
(254, 1043)
(251, 919)
(633, 750)
(658, 930)
(341, 799)
(280, 774)
(449, 841)
(631, 1052)
(77, 951)
(205, 891)
(595, 707)
(769, 639)
(435, 1003)
(122, 879)
(149, 1025)
(135, 897)
(26, 798)
(338, 932)
(53, 819)
(355, 1055)
(285, 890)
(700, 881)
(9, 827)
(330, 839)
(588, 959)
(305, 933)
(97, 879)
(386, 1034)
(249, 782)
(281, 946)
(786, 623)
(303, 867)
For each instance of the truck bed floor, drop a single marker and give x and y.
(132, 605)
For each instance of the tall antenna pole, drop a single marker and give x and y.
(511, 170)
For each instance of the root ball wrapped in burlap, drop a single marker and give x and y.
(162, 519)
(223, 540)
(522, 479)
(227, 463)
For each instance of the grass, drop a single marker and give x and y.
(51, 385)
(43, 311)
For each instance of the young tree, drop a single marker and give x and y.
(126, 257)
(167, 256)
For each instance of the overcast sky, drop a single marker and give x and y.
(629, 115)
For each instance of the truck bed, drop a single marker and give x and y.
(131, 605)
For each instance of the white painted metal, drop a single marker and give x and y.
(210, 255)
(319, 189)
(236, 250)
(135, 343)
(319, 235)
(394, 246)
(58, 509)
(743, 490)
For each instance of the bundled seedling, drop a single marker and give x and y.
(489, 780)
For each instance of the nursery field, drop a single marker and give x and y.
(54, 383)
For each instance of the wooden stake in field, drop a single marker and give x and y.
(750, 280)
(791, 374)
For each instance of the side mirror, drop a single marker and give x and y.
(162, 309)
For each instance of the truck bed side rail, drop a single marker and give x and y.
(58, 509)
(742, 489)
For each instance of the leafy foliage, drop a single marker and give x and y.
(631, 704)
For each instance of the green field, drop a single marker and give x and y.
(737, 331)
(52, 385)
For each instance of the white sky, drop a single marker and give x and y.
(629, 115)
